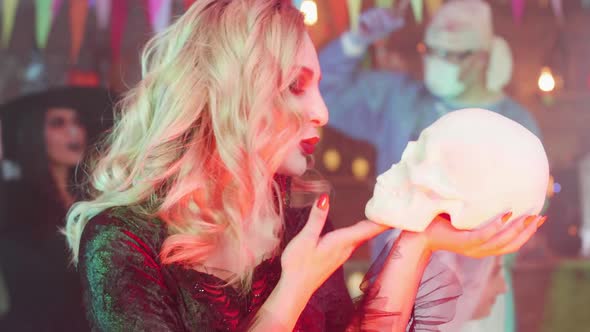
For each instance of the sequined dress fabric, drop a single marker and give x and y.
(127, 288)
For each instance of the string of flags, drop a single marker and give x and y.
(113, 14)
(431, 6)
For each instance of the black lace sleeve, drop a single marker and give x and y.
(124, 284)
(435, 302)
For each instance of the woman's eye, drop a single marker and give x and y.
(56, 122)
(296, 87)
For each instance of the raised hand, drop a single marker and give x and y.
(308, 260)
(377, 23)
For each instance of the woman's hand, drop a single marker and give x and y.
(308, 260)
(496, 238)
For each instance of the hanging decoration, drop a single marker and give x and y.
(384, 3)
(103, 14)
(517, 10)
(557, 6)
(119, 13)
(188, 4)
(432, 6)
(417, 9)
(43, 22)
(78, 14)
(544, 4)
(8, 13)
(55, 8)
(159, 14)
(354, 10)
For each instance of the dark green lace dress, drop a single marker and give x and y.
(128, 289)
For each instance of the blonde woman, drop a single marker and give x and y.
(192, 224)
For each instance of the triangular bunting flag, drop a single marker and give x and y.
(8, 13)
(188, 3)
(78, 14)
(432, 6)
(103, 14)
(417, 9)
(118, 21)
(354, 10)
(43, 22)
(55, 7)
(517, 10)
(558, 10)
(159, 14)
(384, 3)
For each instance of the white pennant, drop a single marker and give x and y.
(103, 13)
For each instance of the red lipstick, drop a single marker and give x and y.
(308, 145)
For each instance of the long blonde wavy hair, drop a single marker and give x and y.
(197, 142)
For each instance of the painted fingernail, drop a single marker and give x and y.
(541, 221)
(506, 217)
(323, 201)
(529, 220)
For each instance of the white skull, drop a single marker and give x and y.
(472, 164)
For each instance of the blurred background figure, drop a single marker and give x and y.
(465, 65)
(46, 135)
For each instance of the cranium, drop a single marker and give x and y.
(471, 164)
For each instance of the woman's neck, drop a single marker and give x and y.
(60, 174)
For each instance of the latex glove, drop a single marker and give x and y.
(376, 24)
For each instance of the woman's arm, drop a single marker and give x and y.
(395, 289)
(307, 262)
(390, 300)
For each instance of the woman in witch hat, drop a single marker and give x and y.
(46, 135)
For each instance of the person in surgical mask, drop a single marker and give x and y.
(465, 66)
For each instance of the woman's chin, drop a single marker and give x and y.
(293, 167)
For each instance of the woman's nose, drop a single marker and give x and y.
(74, 131)
(319, 111)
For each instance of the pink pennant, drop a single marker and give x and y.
(78, 14)
(159, 14)
(188, 3)
(119, 13)
(153, 9)
(518, 10)
(103, 13)
(557, 10)
(55, 7)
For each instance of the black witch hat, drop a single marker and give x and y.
(94, 106)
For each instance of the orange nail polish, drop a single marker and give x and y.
(506, 217)
(529, 220)
(541, 221)
(324, 201)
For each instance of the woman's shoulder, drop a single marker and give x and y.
(119, 232)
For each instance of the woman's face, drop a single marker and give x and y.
(305, 94)
(65, 137)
